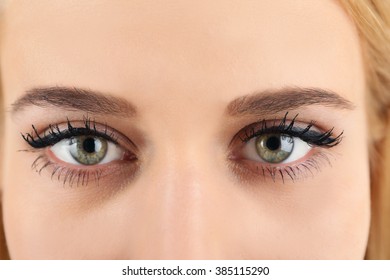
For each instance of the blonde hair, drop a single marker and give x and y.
(372, 19)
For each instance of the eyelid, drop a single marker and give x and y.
(112, 174)
(249, 171)
(57, 132)
(308, 132)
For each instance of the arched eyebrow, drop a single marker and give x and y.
(259, 103)
(286, 99)
(75, 99)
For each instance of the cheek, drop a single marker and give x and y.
(324, 217)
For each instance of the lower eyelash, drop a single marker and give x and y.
(247, 171)
(114, 175)
(65, 174)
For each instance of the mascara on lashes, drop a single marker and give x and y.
(312, 137)
(54, 134)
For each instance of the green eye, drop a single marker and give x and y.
(88, 150)
(274, 148)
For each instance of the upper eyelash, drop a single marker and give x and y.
(55, 134)
(324, 139)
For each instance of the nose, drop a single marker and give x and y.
(183, 206)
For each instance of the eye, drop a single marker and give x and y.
(87, 150)
(280, 149)
(80, 152)
(275, 148)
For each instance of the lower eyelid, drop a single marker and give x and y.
(252, 171)
(46, 164)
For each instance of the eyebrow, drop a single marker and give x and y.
(75, 99)
(263, 102)
(290, 98)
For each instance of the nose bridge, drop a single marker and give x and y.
(180, 186)
(182, 193)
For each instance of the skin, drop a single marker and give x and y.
(181, 63)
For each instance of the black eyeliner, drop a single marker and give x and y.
(55, 134)
(323, 139)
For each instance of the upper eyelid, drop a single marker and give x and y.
(289, 127)
(56, 136)
(93, 128)
(298, 132)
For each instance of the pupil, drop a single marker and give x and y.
(89, 145)
(273, 143)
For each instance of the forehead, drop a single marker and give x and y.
(117, 45)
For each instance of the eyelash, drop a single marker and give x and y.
(67, 175)
(295, 171)
(311, 137)
(54, 135)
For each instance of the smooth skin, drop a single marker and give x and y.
(181, 63)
